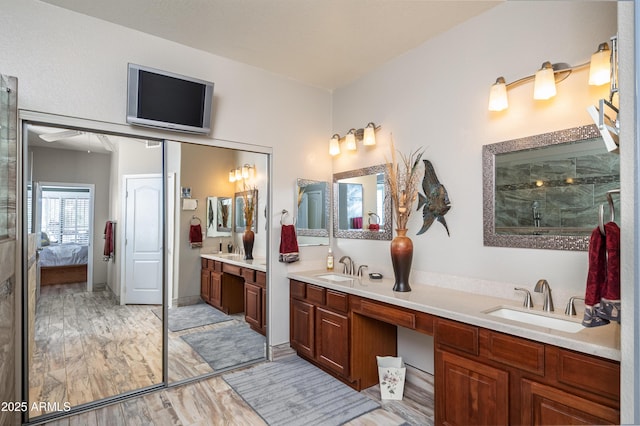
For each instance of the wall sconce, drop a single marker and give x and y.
(242, 173)
(367, 135)
(546, 78)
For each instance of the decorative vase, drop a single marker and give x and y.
(401, 258)
(247, 243)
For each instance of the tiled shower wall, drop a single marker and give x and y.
(8, 147)
(567, 192)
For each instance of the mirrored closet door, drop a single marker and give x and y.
(111, 225)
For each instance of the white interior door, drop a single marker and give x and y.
(143, 240)
(315, 210)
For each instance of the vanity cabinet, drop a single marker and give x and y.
(255, 298)
(221, 287)
(486, 377)
(319, 328)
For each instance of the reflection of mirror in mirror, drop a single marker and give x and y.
(545, 191)
(219, 216)
(362, 207)
(312, 218)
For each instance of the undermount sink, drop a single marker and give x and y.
(334, 277)
(536, 319)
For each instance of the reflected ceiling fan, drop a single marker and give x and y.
(66, 134)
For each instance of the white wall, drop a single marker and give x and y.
(73, 65)
(436, 97)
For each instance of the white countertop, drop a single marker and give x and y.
(258, 263)
(470, 308)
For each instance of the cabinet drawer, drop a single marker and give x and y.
(337, 301)
(297, 289)
(315, 294)
(215, 265)
(457, 335)
(388, 314)
(588, 373)
(261, 278)
(516, 352)
(204, 263)
(249, 275)
(231, 269)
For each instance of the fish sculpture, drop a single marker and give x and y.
(435, 201)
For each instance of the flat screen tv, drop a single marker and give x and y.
(169, 101)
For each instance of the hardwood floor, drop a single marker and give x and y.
(88, 348)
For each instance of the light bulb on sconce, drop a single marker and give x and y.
(369, 138)
(334, 145)
(544, 84)
(367, 135)
(232, 176)
(498, 100)
(600, 66)
(350, 140)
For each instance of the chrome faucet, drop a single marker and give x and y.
(542, 286)
(528, 302)
(571, 308)
(360, 269)
(349, 267)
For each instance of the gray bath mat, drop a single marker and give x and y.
(191, 316)
(227, 346)
(291, 391)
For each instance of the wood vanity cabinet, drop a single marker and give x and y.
(319, 328)
(221, 289)
(487, 377)
(255, 297)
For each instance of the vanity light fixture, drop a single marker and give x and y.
(546, 78)
(367, 135)
(243, 173)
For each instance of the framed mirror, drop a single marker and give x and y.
(361, 204)
(219, 216)
(238, 211)
(545, 191)
(312, 204)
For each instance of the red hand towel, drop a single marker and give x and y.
(108, 240)
(612, 237)
(597, 268)
(195, 234)
(288, 244)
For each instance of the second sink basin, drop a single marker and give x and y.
(536, 319)
(334, 277)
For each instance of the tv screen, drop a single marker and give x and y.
(166, 100)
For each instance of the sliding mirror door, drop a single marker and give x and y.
(217, 300)
(93, 331)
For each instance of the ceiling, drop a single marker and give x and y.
(74, 140)
(324, 43)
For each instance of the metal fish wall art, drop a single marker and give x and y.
(435, 201)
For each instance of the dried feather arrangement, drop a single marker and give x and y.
(403, 178)
(250, 198)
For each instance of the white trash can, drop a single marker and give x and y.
(391, 372)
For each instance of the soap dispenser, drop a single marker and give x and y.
(330, 260)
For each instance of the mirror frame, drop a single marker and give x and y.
(324, 232)
(385, 232)
(546, 241)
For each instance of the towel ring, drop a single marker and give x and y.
(612, 210)
(285, 213)
(195, 218)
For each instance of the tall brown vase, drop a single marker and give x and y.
(401, 258)
(247, 243)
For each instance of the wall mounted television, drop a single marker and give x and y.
(166, 100)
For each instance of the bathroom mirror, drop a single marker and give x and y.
(361, 204)
(312, 204)
(238, 208)
(219, 216)
(545, 191)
